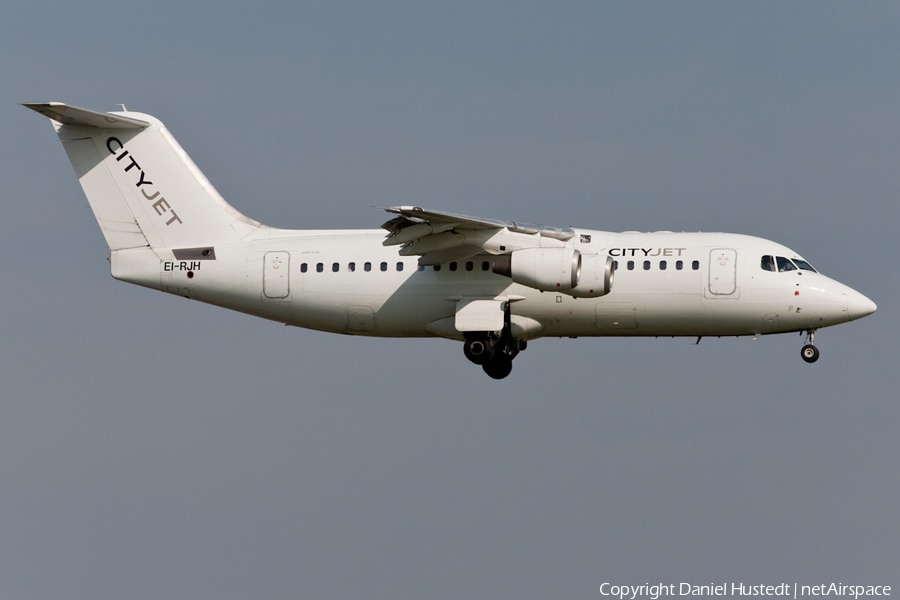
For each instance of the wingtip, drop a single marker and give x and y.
(33, 105)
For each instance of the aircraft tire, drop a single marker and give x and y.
(479, 350)
(499, 368)
(809, 353)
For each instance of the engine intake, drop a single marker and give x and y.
(546, 269)
(597, 276)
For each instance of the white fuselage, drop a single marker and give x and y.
(678, 284)
(493, 283)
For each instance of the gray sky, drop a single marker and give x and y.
(152, 447)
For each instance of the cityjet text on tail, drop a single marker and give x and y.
(492, 284)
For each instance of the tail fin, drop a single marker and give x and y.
(142, 186)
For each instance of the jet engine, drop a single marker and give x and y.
(546, 269)
(597, 276)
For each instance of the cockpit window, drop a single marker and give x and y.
(784, 264)
(767, 263)
(804, 265)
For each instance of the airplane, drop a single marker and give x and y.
(493, 284)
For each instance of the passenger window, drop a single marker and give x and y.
(303, 268)
(695, 265)
(470, 265)
(662, 265)
(453, 266)
(646, 265)
(351, 267)
(335, 267)
(804, 265)
(679, 265)
(631, 265)
(367, 267)
(399, 266)
(615, 265)
(485, 266)
(437, 267)
(784, 264)
(421, 268)
(384, 266)
(767, 263)
(320, 267)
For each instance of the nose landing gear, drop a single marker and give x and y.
(809, 352)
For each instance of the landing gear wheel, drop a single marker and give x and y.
(809, 353)
(500, 367)
(479, 350)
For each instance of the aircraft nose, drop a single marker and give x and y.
(859, 306)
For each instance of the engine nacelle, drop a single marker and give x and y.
(597, 276)
(547, 269)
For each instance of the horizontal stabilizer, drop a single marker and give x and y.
(81, 117)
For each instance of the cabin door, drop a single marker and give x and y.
(722, 272)
(276, 274)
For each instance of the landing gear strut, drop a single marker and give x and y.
(809, 352)
(494, 353)
(492, 350)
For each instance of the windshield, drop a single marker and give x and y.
(784, 264)
(781, 264)
(804, 265)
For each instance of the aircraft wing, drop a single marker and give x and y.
(438, 237)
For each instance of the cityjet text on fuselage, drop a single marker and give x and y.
(617, 252)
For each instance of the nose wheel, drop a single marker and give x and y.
(809, 352)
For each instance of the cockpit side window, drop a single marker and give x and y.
(784, 264)
(804, 265)
(767, 263)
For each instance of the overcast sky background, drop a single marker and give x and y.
(153, 447)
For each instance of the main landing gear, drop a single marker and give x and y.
(809, 352)
(493, 352)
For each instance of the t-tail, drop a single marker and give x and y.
(150, 199)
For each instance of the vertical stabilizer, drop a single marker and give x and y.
(142, 186)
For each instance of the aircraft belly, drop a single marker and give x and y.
(382, 315)
(613, 315)
(676, 314)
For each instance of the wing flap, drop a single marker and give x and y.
(432, 233)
